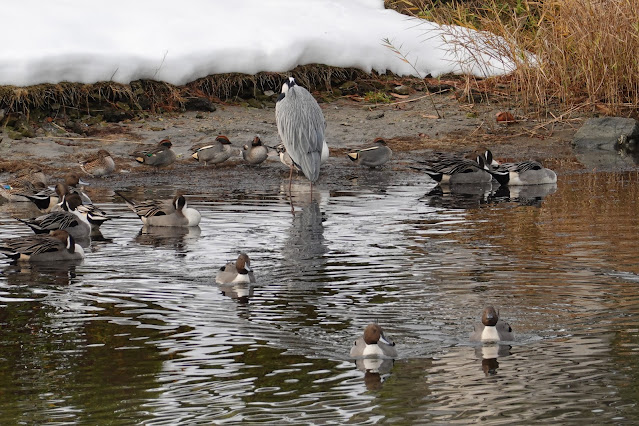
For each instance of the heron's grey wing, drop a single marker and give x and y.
(301, 125)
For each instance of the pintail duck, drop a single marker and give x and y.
(485, 153)
(94, 215)
(373, 156)
(236, 272)
(164, 212)
(70, 219)
(492, 329)
(159, 156)
(256, 153)
(373, 344)
(217, 152)
(100, 165)
(448, 170)
(523, 173)
(47, 199)
(59, 245)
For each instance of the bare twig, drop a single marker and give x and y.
(397, 51)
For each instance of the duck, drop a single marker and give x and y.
(70, 219)
(217, 152)
(56, 246)
(94, 215)
(523, 173)
(16, 190)
(100, 165)
(491, 329)
(373, 156)
(286, 159)
(29, 181)
(256, 153)
(449, 170)
(236, 272)
(164, 212)
(373, 344)
(47, 198)
(483, 152)
(159, 156)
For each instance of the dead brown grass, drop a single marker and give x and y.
(155, 96)
(566, 53)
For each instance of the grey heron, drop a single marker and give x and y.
(301, 125)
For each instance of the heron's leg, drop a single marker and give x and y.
(290, 193)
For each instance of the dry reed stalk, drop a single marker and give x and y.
(566, 52)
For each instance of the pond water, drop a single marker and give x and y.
(140, 333)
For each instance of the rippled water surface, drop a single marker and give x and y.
(140, 332)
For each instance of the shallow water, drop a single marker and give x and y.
(140, 333)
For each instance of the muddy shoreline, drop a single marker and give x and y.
(410, 126)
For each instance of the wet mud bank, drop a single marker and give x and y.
(409, 125)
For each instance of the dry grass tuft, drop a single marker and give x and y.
(584, 52)
(156, 96)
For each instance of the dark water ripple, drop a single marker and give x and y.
(140, 332)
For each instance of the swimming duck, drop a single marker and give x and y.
(70, 220)
(56, 246)
(373, 344)
(523, 173)
(373, 156)
(159, 156)
(256, 153)
(94, 215)
(492, 329)
(164, 212)
(100, 165)
(236, 272)
(485, 153)
(217, 152)
(449, 170)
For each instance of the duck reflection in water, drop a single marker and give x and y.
(241, 292)
(529, 195)
(488, 353)
(376, 371)
(459, 196)
(171, 237)
(61, 273)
